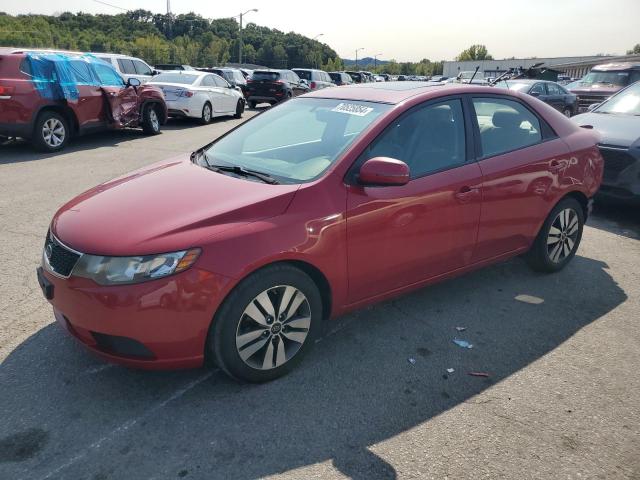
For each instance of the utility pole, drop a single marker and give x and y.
(375, 60)
(357, 50)
(240, 46)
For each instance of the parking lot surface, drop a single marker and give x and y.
(373, 400)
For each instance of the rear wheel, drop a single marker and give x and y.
(206, 114)
(51, 132)
(266, 325)
(150, 120)
(559, 237)
(239, 109)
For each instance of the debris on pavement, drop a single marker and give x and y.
(450, 370)
(412, 360)
(479, 374)
(462, 343)
(529, 299)
(461, 329)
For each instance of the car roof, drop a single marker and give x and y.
(617, 66)
(397, 92)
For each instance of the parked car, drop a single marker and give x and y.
(48, 98)
(357, 77)
(246, 72)
(128, 67)
(602, 82)
(166, 67)
(617, 120)
(379, 78)
(564, 79)
(273, 86)
(242, 254)
(549, 92)
(471, 76)
(199, 95)
(316, 79)
(341, 78)
(232, 75)
(402, 78)
(439, 78)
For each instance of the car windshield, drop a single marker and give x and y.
(265, 76)
(182, 78)
(627, 102)
(304, 74)
(517, 86)
(297, 141)
(607, 78)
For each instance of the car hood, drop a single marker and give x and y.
(595, 89)
(620, 130)
(169, 206)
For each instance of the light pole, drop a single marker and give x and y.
(240, 35)
(375, 60)
(357, 50)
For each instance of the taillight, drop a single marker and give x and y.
(249, 80)
(186, 93)
(6, 91)
(313, 84)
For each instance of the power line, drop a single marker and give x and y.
(111, 5)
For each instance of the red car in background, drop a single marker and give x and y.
(49, 97)
(326, 203)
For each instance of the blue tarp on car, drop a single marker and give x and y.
(57, 76)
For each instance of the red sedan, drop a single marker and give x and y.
(326, 203)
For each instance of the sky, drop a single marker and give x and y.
(411, 30)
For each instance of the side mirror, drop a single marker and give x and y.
(593, 106)
(155, 72)
(381, 171)
(535, 94)
(303, 81)
(133, 82)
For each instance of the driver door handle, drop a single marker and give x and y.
(467, 194)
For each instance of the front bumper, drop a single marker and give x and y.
(161, 324)
(621, 179)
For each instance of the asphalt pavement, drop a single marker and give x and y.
(372, 400)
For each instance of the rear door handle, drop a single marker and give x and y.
(467, 193)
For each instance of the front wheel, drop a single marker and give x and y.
(559, 237)
(150, 120)
(567, 112)
(266, 325)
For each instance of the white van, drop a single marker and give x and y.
(128, 67)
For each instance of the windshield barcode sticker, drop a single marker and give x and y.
(353, 109)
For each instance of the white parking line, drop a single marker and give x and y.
(128, 424)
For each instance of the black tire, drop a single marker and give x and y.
(230, 324)
(47, 140)
(151, 120)
(567, 112)
(206, 117)
(543, 256)
(239, 109)
(252, 105)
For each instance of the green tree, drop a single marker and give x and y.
(474, 52)
(635, 50)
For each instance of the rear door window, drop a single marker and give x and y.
(208, 81)
(505, 125)
(126, 66)
(81, 72)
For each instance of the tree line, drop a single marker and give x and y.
(158, 38)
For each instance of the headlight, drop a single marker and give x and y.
(122, 270)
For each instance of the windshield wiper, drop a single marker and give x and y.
(238, 170)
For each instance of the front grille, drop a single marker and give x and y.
(585, 100)
(615, 161)
(60, 259)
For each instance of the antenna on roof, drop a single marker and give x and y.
(474, 75)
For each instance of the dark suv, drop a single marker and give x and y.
(232, 75)
(273, 86)
(50, 97)
(341, 78)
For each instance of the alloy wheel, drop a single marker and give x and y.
(273, 327)
(53, 132)
(153, 118)
(563, 235)
(206, 114)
